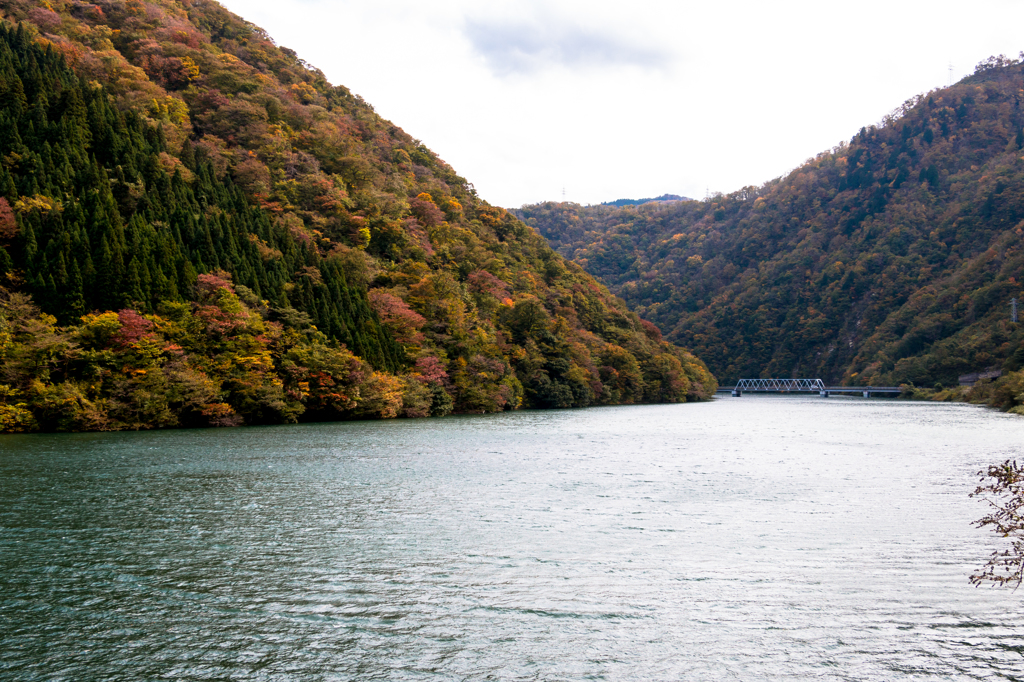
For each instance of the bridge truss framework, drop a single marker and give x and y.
(781, 385)
(806, 386)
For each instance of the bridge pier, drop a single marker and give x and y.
(824, 394)
(736, 393)
(867, 394)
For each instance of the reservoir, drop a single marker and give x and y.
(765, 537)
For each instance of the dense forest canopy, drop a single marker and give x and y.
(197, 228)
(892, 259)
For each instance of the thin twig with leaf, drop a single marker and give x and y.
(1002, 486)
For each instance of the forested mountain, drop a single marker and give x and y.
(197, 228)
(892, 259)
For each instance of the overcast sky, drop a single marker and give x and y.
(607, 100)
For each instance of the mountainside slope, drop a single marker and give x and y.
(268, 248)
(888, 260)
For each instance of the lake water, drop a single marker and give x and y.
(754, 538)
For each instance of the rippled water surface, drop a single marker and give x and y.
(746, 539)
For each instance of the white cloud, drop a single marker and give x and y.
(524, 47)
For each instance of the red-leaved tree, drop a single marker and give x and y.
(404, 322)
(8, 224)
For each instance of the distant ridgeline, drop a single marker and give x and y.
(892, 259)
(630, 202)
(196, 228)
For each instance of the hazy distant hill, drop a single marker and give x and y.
(216, 234)
(889, 259)
(628, 202)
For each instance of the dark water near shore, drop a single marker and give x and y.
(747, 539)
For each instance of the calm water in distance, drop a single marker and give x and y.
(754, 538)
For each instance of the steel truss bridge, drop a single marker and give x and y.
(804, 386)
